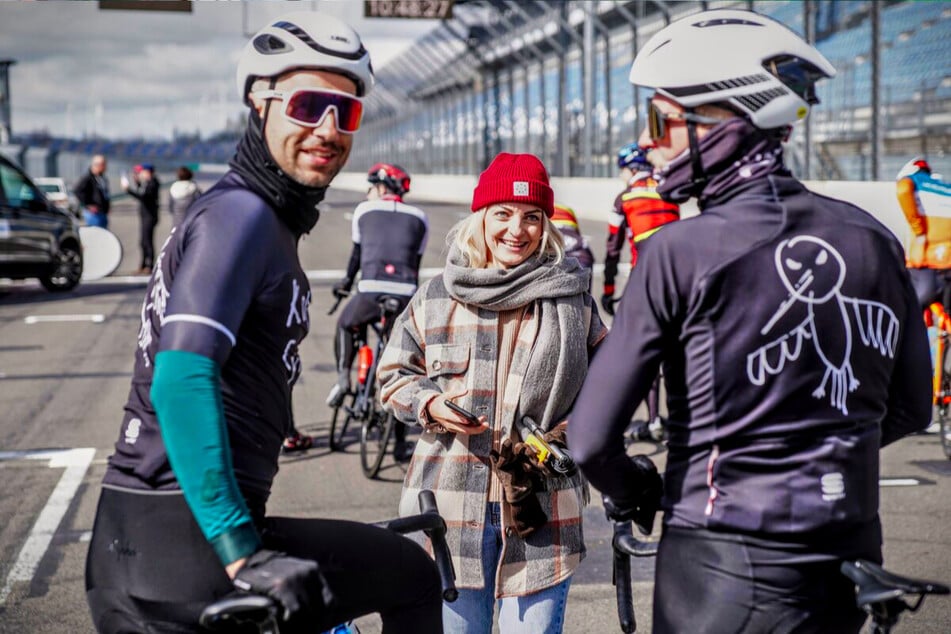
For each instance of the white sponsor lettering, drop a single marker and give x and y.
(132, 431)
(833, 487)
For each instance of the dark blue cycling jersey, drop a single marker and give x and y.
(389, 239)
(230, 272)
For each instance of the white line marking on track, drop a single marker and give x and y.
(134, 280)
(35, 319)
(899, 482)
(76, 462)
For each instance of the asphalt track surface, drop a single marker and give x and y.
(65, 365)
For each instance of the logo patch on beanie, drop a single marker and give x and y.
(520, 188)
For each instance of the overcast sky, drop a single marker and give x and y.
(81, 70)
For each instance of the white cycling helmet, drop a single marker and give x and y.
(304, 40)
(751, 62)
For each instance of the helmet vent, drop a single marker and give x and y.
(269, 45)
(699, 89)
(736, 82)
(718, 21)
(302, 35)
(757, 100)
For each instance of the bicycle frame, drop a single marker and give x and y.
(261, 612)
(366, 391)
(376, 427)
(936, 316)
(359, 403)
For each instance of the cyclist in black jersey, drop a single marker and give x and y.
(791, 340)
(389, 238)
(182, 518)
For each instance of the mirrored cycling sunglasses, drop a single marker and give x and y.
(308, 106)
(657, 119)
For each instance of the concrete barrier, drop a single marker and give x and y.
(592, 198)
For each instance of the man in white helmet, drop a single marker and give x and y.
(791, 341)
(181, 519)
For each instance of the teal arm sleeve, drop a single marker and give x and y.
(187, 400)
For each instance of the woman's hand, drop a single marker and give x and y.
(440, 414)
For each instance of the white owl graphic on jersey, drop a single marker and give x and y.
(813, 272)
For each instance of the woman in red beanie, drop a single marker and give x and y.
(506, 333)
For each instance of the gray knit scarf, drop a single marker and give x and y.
(559, 358)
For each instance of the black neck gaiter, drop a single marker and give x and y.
(295, 204)
(732, 153)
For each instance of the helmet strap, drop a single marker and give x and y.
(699, 177)
(272, 82)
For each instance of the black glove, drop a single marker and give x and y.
(513, 468)
(342, 288)
(644, 501)
(608, 302)
(290, 581)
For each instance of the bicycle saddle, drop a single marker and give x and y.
(390, 304)
(874, 584)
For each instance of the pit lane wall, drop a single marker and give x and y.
(592, 198)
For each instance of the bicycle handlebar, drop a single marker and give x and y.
(433, 525)
(625, 545)
(437, 535)
(237, 611)
(339, 297)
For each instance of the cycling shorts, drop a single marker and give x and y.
(713, 582)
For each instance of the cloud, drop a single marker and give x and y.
(118, 73)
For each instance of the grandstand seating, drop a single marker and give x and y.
(915, 64)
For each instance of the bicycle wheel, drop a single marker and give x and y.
(340, 421)
(943, 407)
(944, 422)
(374, 437)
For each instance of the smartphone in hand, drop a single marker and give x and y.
(471, 418)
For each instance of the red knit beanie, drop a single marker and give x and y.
(514, 178)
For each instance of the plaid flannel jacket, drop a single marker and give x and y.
(440, 344)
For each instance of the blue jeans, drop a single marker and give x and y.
(96, 220)
(542, 612)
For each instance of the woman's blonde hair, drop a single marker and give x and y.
(469, 236)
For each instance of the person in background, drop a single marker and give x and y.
(638, 212)
(182, 518)
(791, 338)
(145, 188)
(92, 190)
(181, 194)
(925, 200)
(506, 332)
(389, 238)
(576, 244)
